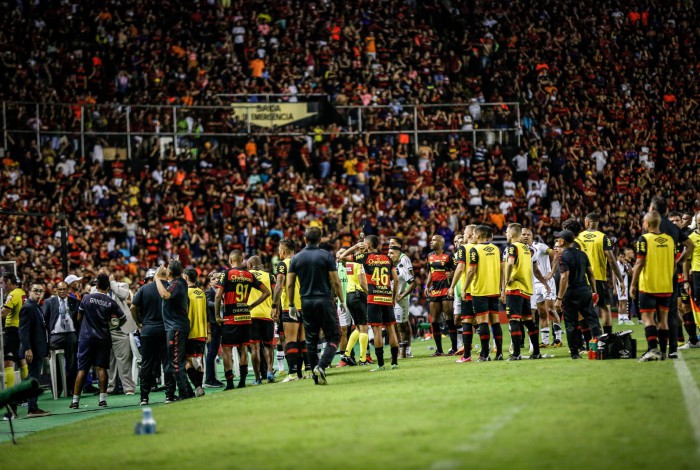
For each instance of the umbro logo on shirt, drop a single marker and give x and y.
(489, 249)
(660, 240)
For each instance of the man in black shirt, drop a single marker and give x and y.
(681, 240)
(215, 328)
(577, 291)
(317, 272)
(147, 310)
(34, 342)
(98, 314)
(177, 327)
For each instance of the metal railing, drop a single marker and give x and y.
(81, 127)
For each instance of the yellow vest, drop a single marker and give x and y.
(658, 271)
(695, 255)
(283, 268)
(197, 313)
(14, 302)
(595, 244)
(487, 259)
(521, 273)
(354, 271)
(264, 310)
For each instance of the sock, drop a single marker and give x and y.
(23, 371)
(200, 378)
(244, 372)
(103, 397)
(304, 359)
(586, 332)
(652, 340)
(300, 367)
(394, 355)
(516, 336)
(522, 334)
(663, 339)
(607, 329)
(545, 335)
(622, 317)
(557, 332)
(292, 355)
(192, 375)
(229, 378)
(364, 343)
(408, 350)
(498, 337)
(437, 335)
(354, 336)
(533, 332)
(690, 328)
(76, 398)
(485, 337)
(9, 377)
(280, 357)
(380, 355)
(467, 336)
(452, 329)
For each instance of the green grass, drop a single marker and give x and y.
(431, 413)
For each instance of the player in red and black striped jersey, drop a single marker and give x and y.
(441, 267)
(234, 288)
(381, 296)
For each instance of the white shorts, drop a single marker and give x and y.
(344, 317)
(457, 306)
(540, 294)
(401, 311)
(624, 293)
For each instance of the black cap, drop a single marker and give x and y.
(567, 235)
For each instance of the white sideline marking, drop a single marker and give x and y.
(485, 433)
(691, 394)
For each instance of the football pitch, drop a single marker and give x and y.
(429, 414)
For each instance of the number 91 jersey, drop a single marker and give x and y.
(378, 274)
(237, 284)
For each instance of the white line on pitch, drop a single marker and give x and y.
(485, 433)
(691, 394)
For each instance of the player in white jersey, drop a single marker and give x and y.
(542, 299)
(622, 290)
(407, 282)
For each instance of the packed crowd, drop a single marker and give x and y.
(606, 122)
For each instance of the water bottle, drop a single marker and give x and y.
(147, 424)
(592, 349)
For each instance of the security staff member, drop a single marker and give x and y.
(317, 273)
(34, 342)
(210, 380)
(147, 310)
(577, 291)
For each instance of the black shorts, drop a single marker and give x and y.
(235, 336)
(357, 304)
(604, 293)
(517, 306)
(94, 353)
(485, 305)
(262, 331)
(438, 298)
(195, 348)
(285, 318)
(11, 343)
(650, 302)
(467, 309)
(378, 315)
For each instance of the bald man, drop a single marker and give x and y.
(440, 269)
(652, 279)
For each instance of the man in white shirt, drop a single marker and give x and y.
(407, 282)
(601, 159)
(542, 300)
(622, 290)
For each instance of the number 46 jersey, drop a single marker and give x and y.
(378, 274)
(237, 284)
